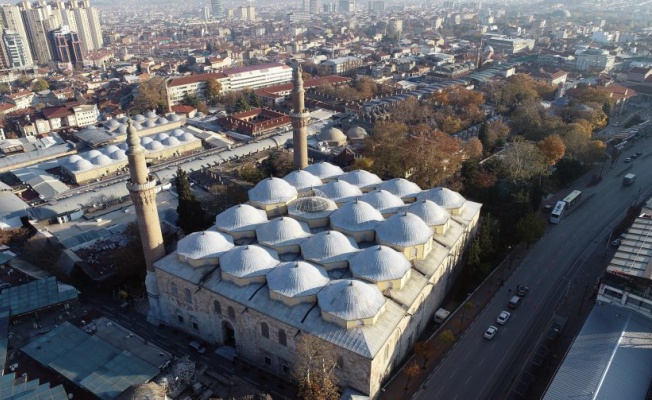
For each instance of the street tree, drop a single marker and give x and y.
(530, 228)
(314, 369)
(423, 348)
(151, 95)
(411, 371)
(553, 149)
(447, 337)
(191, 216)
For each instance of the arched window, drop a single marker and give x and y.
(231, 312)
(173, 289)
(188, 295)
(264, 330)
(217, 307)
(282, 338)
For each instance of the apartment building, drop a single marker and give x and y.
(594, 60)
(250, 77)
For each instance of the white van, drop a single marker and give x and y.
(514, 302)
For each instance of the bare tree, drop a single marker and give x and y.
(314, 369)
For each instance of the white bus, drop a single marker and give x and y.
(573, 198)
(555, 215)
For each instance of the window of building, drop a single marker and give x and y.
(264, 330)
(187, 295)
(195, 326)
(231, 312)
(268, 360)
(173, 289)
(217, 307)
(285, 368)
(282, 338)
(180, 318)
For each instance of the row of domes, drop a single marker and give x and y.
(301, 281)
(117, 153)
(149, 120)
(336, 136)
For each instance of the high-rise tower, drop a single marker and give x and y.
(299, 119)
(142, 188)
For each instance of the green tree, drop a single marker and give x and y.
(191, 216)
(241, 104)
(483, 136)
(194, 101)
(254, 100)
(314, 369)
(447, 337)
(607, 109)
(530, 228)
(23, 80)
(151, 95)
(213, 91)
(5, 88)
(223, 196)
(129, 258)
(279, 163)
(249, 173)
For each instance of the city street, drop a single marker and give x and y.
(558, 265)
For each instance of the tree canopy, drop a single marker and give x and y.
(151, 95)
(314, 369)
(191, 215)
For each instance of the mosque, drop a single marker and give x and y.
(360, 263)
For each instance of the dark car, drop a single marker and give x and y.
(522, 290)
(547, 208)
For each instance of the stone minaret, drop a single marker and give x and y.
(142, 188)
(299, 120)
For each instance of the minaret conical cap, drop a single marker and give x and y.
(133, 141)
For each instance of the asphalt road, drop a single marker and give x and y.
(559, 264)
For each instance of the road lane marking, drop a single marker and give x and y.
(481, 361)
(454, 372)
(467, 380)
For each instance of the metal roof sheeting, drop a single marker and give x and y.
(272, 191)
(205, 244)
(379, 263)
(610, 358)
(248, 261)
(356, 216)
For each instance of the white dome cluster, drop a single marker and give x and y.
(404, 236)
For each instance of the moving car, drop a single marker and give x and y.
(490, 332)
(503, 317)
(514, 302)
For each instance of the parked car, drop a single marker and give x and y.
(503, 317)
(522, 290)
(547, 208)
(617, 241)
(490, 332)
(198, 347)
(638, 153)
(628, 160)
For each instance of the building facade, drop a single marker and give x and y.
(217, 11)
(367, 300)
(67, 46)
(594, 60)
(251, 77)
(16, 50)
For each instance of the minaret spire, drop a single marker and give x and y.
(142, 188)
(299, 119)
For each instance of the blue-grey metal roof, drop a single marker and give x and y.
(35, 295)
(17, 389)
(85, 237)
(611, 358)
(89, 361)
(4, 336)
